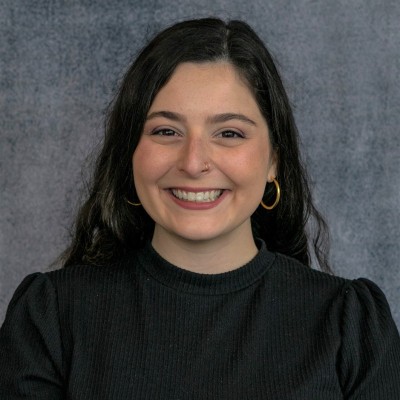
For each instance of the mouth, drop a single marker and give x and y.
(197, 197)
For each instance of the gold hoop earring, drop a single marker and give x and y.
(278, 196)
(133, 204)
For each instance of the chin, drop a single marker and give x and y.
(197, 235)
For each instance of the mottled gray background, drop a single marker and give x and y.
(60, 62)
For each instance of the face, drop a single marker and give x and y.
(204, 157)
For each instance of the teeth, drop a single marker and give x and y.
(199, 197)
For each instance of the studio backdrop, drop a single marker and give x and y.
(61, 61)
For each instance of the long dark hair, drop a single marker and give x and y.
(107, 226)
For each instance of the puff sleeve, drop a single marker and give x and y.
(369, 360)
(30, 343)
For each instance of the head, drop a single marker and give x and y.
(109, 217)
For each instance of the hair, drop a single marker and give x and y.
(107, 226)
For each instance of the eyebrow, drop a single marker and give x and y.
(217, 118)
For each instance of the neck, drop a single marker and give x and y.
(212, 256)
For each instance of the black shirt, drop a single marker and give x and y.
(145, 329)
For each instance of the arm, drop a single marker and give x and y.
(369, 361)
(30, 343)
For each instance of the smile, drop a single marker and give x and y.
(198, 197)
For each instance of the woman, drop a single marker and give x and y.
(188, 276)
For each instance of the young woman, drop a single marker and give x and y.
(189, 274)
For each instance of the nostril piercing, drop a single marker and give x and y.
(206, 167)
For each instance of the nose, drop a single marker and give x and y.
(194, 155)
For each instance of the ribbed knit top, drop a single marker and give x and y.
(145, 329)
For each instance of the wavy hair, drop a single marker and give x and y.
(107, 226)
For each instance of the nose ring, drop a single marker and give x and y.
(206, 167)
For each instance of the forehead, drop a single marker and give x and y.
(211, 68)
(207, 84)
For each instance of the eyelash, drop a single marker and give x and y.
(234, 134)
(167, 132)
(162, 132)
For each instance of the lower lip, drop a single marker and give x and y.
(194, 205)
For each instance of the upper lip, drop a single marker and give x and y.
(193, 189)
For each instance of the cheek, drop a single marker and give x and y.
(140, 164)
(149, 164)
(253, 165)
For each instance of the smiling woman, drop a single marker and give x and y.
(188, 276)
(205, 114)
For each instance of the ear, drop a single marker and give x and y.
(273, 165)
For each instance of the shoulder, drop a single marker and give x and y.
(92, 277)
(34, 291)
(347, 295)
(299, 278)
(75, 286)
(355, 315)
(63, 288)
(370, 343)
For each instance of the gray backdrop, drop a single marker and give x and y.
(60, 61)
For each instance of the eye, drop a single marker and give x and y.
(164, 132)
(230, 134)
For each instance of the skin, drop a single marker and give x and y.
(204, 131)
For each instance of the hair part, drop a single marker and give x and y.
(107, 226)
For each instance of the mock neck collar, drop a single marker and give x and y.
(206, 284)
